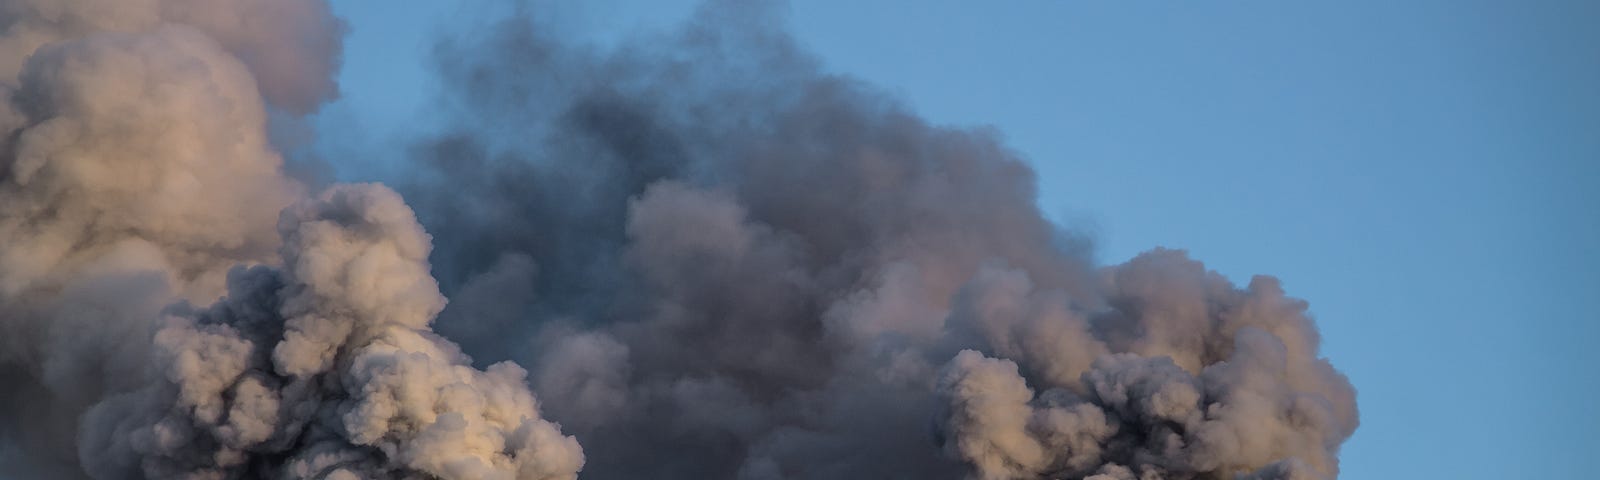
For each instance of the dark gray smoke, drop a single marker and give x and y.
(707, 256)
(720, 261)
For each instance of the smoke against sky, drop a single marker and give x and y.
(138, 179)
(691, 254)
(737, 260)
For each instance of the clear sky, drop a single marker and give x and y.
(1425, 173)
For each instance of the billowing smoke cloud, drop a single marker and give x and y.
(136, 179)
(326, 369)
(720, 261)
(290, 48)
(709, 257)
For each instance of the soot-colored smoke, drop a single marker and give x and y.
(696, 253)
(719, 260)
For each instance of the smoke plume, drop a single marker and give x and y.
(137, 179)
(706, 255)
(729, 263)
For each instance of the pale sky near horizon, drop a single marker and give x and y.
(1425, 173)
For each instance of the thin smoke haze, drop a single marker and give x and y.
(691, 254)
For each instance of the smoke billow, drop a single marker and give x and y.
(326, 369)
(709, 258)
(137, 178)
(727, 262)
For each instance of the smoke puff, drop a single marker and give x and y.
(329, 357)
(292, 47)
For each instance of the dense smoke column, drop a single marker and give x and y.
(719, 261)
(137, 178)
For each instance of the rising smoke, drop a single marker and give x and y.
(713, 259)
(138, 179)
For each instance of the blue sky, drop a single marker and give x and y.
(1425, 173)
